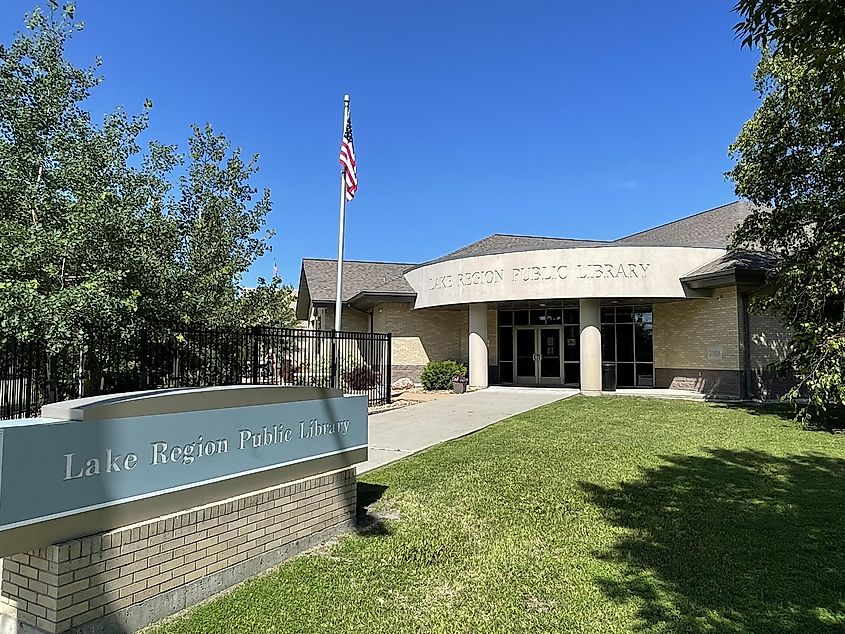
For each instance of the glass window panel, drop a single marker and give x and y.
(571, 344)
(524, 343)
(550, 367)
(624, 314)
(570, 316)
(644, 342)
(506, 344)
(538, 317)
(525, 366)
(554, 316)
(645, 375)
(572, 373)
(608, 315)
(520, 318)
(550, 342)
(642, 314)
(624, 342)
(506, 372)
(625, 375)
(505, 318)
(608, 342)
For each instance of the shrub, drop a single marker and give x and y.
(361, 378)
(438, 375)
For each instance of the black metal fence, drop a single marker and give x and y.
(357, 363)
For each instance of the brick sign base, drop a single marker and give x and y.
(128, 578)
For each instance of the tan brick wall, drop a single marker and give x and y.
(350, 319)
(768, 341)
(684, 331)
(768, 338)
(101, 577)
(420, 336)
(493, 336)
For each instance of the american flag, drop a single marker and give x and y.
(347, 160)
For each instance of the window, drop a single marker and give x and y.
(626, 340)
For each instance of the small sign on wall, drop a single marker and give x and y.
(714, 353)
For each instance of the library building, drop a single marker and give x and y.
(664, 308)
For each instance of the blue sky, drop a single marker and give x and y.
(574, 119)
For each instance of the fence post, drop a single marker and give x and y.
(335, 366)
(252, 333)
(389, 370)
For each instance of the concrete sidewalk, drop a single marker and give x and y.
(398, 433)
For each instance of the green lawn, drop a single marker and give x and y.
(589, 515)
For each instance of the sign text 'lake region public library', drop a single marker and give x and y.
(599, 272)
(50, 468)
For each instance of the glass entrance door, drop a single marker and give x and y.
(539, 346)
(525, 353)
(537, 354)
(549, 340)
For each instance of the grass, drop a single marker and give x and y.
(588, 515)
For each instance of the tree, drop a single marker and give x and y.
(812, 31)
(267, 305)
(83, 242)
(219, 227)
(97, 238)
(791, 161)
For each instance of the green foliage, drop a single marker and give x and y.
(266, 305)
(810, 31)
(438, 375)
(790, 160)
(97, 236)
(219, 226)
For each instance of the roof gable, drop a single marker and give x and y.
(321, 278)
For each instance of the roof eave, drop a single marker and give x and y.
(368, 299)
(732, 277)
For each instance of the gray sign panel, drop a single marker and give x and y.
(52, 468)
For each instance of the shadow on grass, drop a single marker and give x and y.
(367, 523)
(734, 541)
(831, 420)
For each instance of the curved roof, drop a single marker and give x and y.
(506, 243)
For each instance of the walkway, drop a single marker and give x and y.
(398, 433)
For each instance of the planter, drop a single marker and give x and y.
(459, 387)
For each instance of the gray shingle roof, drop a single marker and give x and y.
(710, 228)
(735, 261)
(321, 277)
(505, 243)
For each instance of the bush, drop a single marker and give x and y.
(438, 374)
(361, 378)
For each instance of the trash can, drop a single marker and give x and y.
(608, 377)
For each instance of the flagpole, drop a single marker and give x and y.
(338, 300)
(342, 225)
